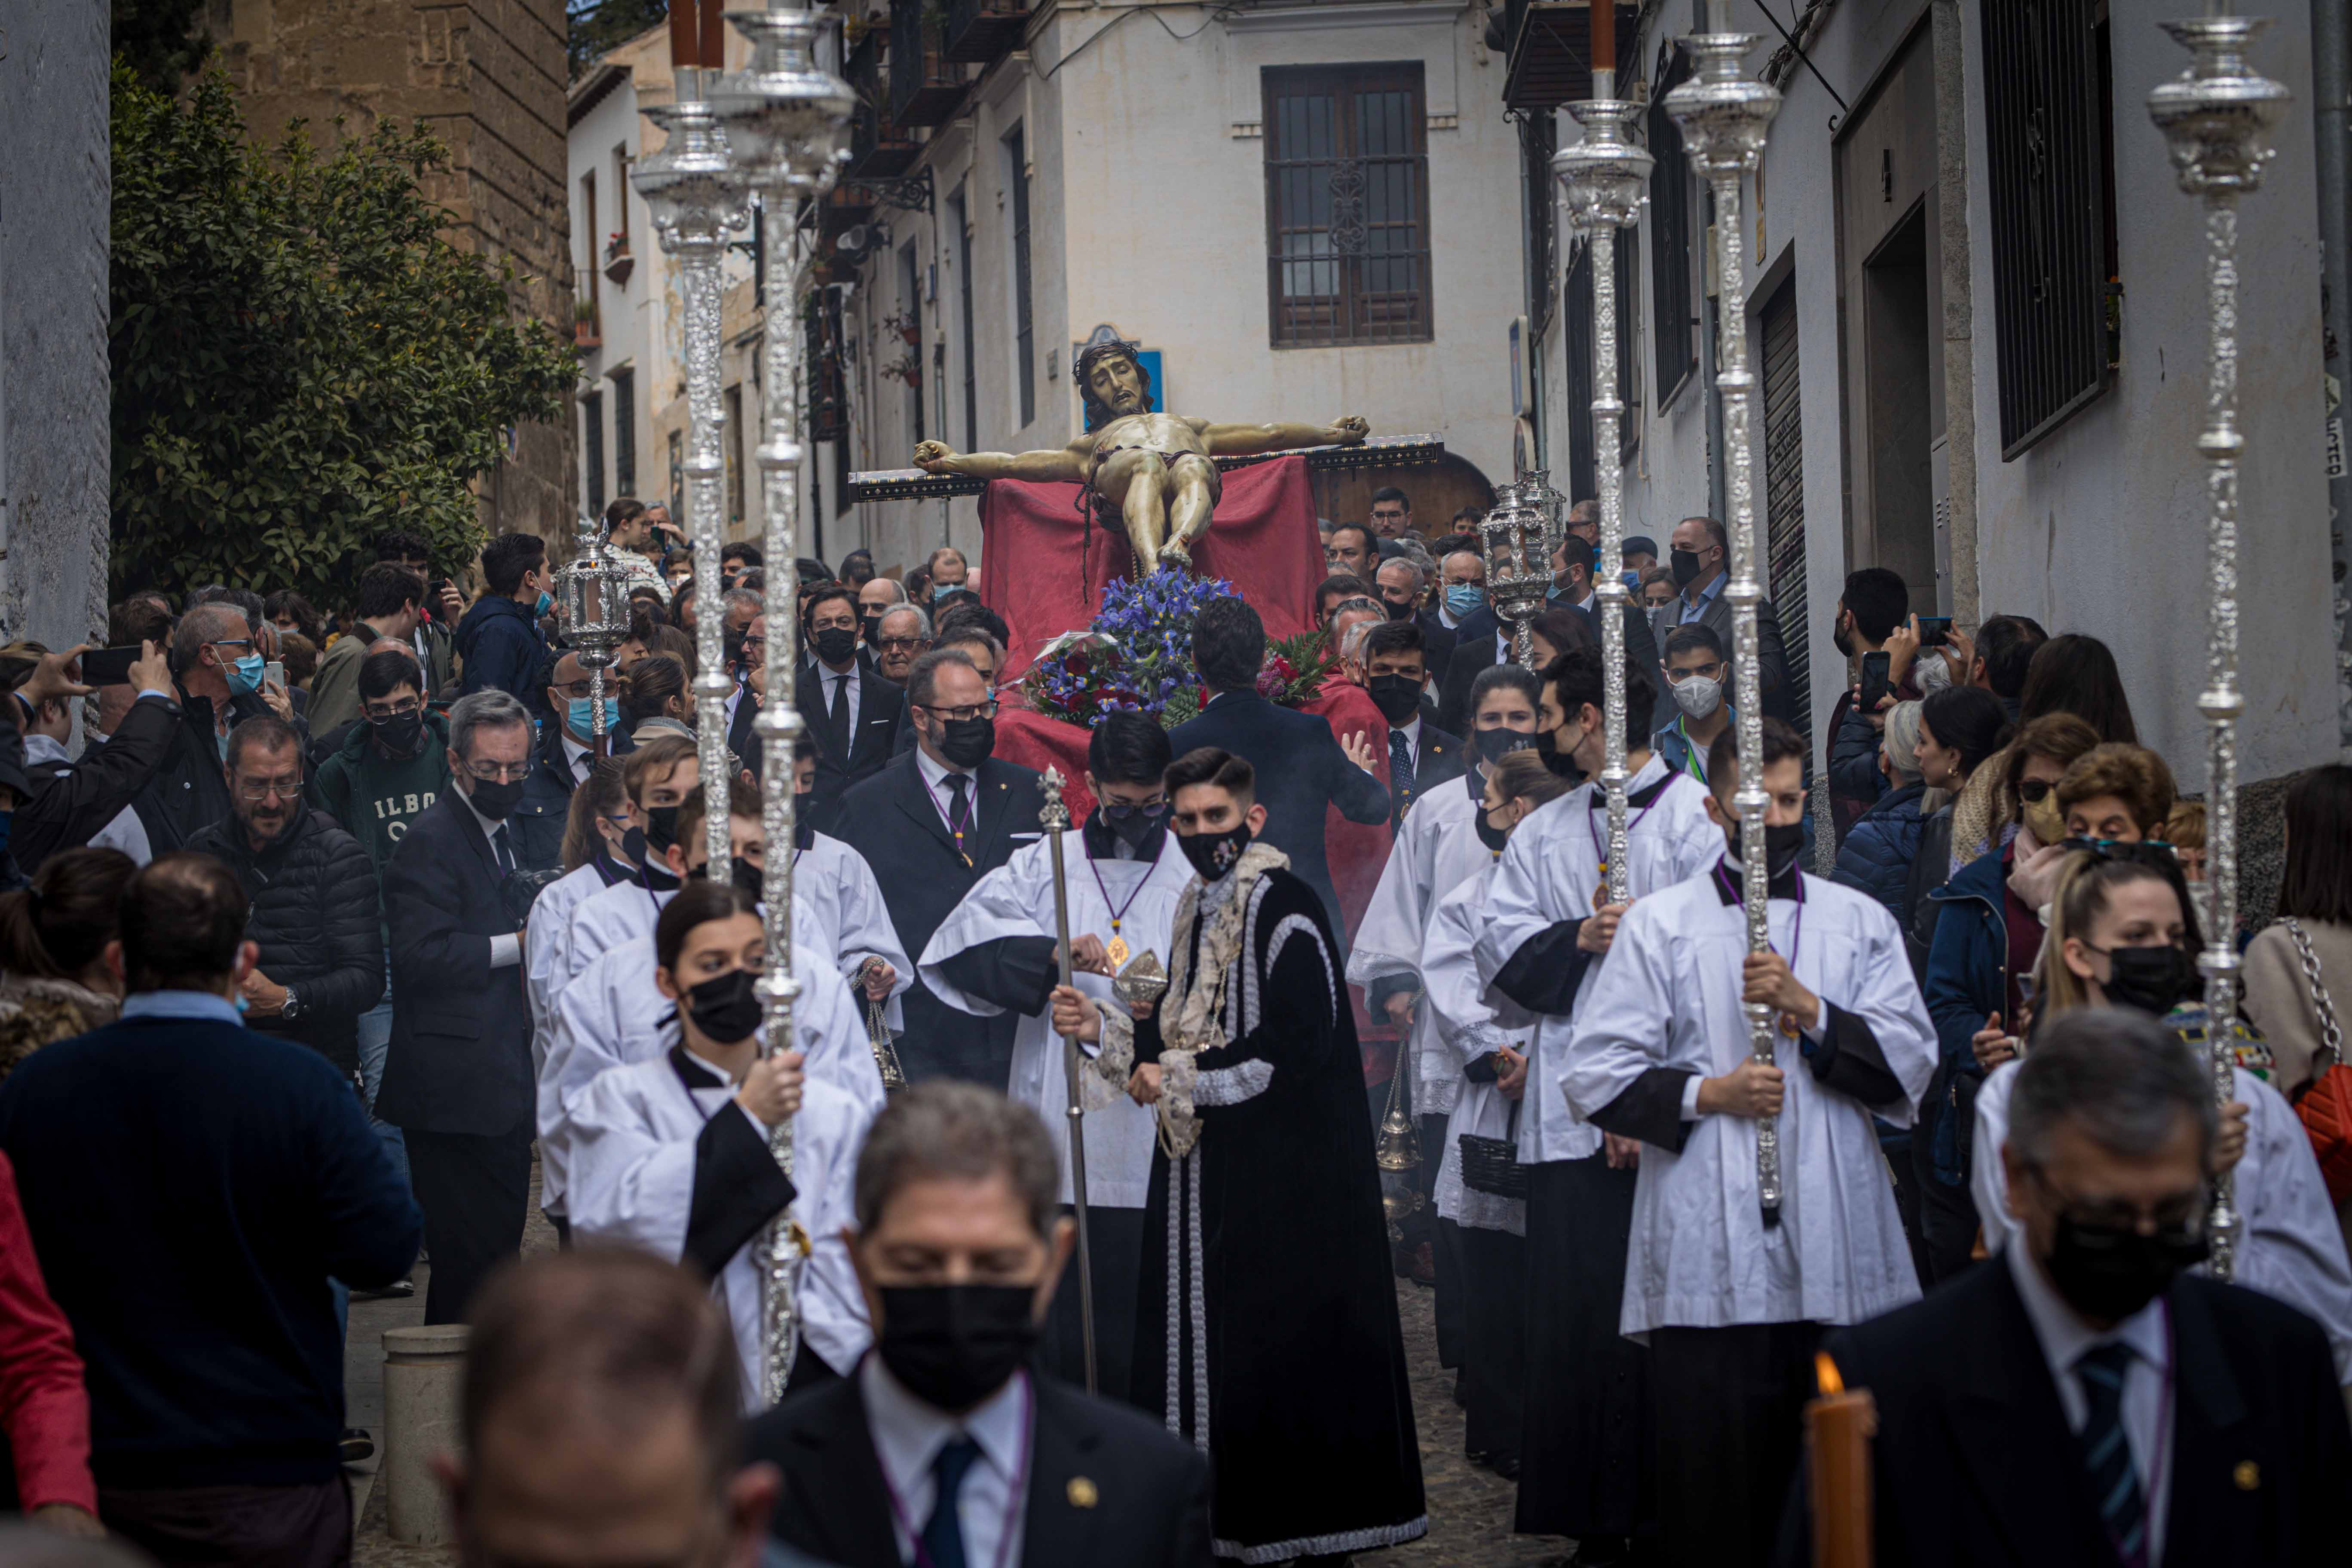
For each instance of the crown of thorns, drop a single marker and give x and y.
(1118, 348)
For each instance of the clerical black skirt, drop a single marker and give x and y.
(1494, 1345)
(1585, 1445)
(1114, 1241)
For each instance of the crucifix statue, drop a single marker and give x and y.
(1150, 476)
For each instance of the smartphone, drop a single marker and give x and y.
(1874, 682)
(109, 666)
(1934, 631)
(274, 672)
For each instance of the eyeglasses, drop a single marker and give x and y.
(957, 715)
(2180, 1216)
(398, 710)
(232, 642)
(584, 689)
(498, 773)
(899, 645)
(755, 645)
(259, 790)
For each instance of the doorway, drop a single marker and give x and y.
(1895, 364)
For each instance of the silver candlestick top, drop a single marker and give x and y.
(2217, 117)
(1054, 814)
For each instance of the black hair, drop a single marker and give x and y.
(1575, 551)
(386, 672)
(2007, 644)
(56, 926)
(296, 608)
(1347, 585)
(1579, 676)
(1690, 636)
(1371, 540)
(141, 617)
(1390, 492)
(1129, 749)
(648, 685)
(1228, 645)
(399, 544)
(387, 590)
(1517, 676)
(1968, 718)
(2318, 883)
(1446, 544)
(183, 917)
(509, 558)
(1878, 600)
(1098, 413)
(623, 509)
(742, 549)
(968, 614)
(265, 732)
(699, 901)
(825, 595)
(1207, 765)
(1396, 637)
(2076, 674)
(1780, 743)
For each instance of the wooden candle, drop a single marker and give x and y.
(684, 49)
(1838, 1429)
(714, 33)
(1603, 22)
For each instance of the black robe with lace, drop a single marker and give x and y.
(1286, 1335)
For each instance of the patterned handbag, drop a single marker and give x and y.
(2326, 1103)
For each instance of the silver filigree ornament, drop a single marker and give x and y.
(2217, 118)
(1724, 116)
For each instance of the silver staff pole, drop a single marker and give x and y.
(1606, 175)
(784, 119)
(1723, 116)
(695, 199)
(2217, 118)
(1055, 817)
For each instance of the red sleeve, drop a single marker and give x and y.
(42, 1403)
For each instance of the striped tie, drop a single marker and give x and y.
(2108, 1458)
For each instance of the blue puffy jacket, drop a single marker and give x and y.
(1877, 855)
(1967, 982)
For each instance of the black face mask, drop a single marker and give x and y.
(1398, 697)
(803, 829)
(2150, 979)
(1133, 824)
(1685, 565)
(726, 1008)
(1492, 837)
(1844, 637)
(1561, 763)
(1782, 845)
(399, 735)
(2108, 1273)
(496, 800)
(748, 879)
(1399, 612)
(967, 742)
(870, 628)
(1214, 853)
(661, 828)
(835, 645)
(954, 1345)
(1495, 744)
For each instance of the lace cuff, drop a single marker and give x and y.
(1102, 1082)
(1180, 1125)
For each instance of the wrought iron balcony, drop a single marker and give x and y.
(925, 87)
(877, 144)
(981, 31)
(1548, 45)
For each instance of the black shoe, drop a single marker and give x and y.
(399, 1289)
(1601, 1550)
(355, 1446)
(1503, 1465)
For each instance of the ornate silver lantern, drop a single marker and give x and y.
(593, 590)
(2217, 118)
(1723, 116)
(1605, 178)
(785, 120)
(1518, 540)
(695, 199)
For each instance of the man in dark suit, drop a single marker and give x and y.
(1701, 553)
(2080, 1400)
(1302, 770)
(1400, 584)
(1420, 755)
(852, 712)
(458, 1076)
(931, 825)
(919, 1451)
(566, 752)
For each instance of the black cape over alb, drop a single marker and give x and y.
(1309, 1416)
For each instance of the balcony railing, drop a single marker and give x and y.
(925, 87)
(877, 146)
(980, 31)
(1550, 50)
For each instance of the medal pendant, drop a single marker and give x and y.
(1789, 1026)
(1601, 893)
(1117, 949)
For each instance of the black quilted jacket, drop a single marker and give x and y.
(314, 916)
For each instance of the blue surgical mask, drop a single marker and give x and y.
(1632, 581)
(546, 603)
(244, 675)
(1464, 599)
(581, 715)
(7, 822)
(946, 591)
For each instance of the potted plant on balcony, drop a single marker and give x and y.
(908, 364)
(584, 325)
(618, 262)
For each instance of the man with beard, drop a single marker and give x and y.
(1266, 1329)
(931, 824)
(311, 890)
(996, 954)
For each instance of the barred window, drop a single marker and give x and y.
(592, 451)
(2051, 167)
(1025, 326)
(1347, 201)
(625, 434)
(1671, 320)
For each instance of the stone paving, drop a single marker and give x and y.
(1469, 1508)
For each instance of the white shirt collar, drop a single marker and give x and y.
(2064, 1336)
(1410, 731)
(910, 1434)
(40, 748)
(573, 750)
(935, 773)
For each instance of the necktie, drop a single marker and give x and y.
(943, 1533)
(838, 714)
(502, 849)
(960, 814)
(2108, 1458)
(1401, 768)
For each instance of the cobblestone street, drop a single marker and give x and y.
(1469, 1508)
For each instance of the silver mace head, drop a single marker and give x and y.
(1723, 114)
(1606, 175)
(785, 117)
(2217, 115)
(691, 184)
